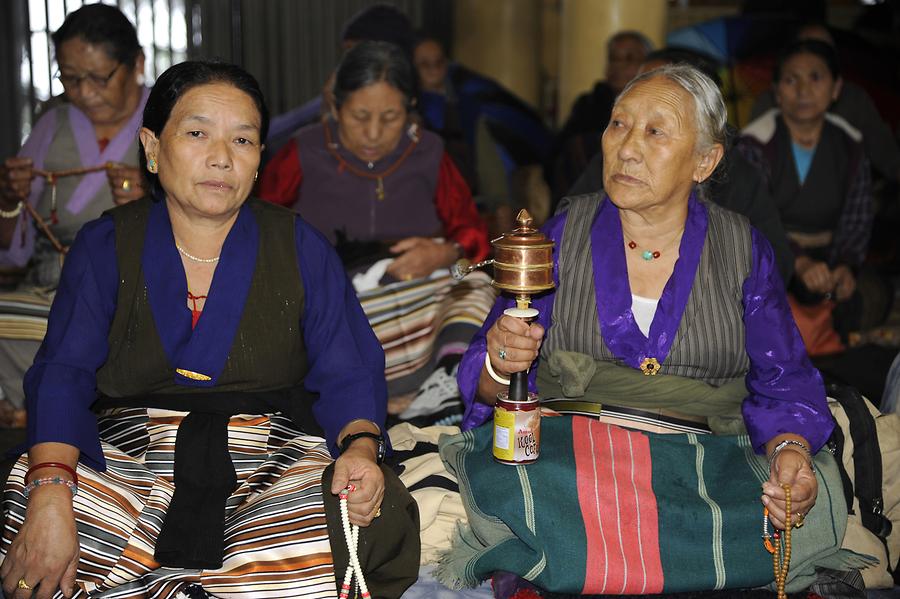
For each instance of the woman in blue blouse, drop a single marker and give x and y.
(200, 346)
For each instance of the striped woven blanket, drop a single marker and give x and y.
(23, 314)
(606, 510)
(420, 321)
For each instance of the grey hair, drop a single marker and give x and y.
(709, 106)
(631, 34)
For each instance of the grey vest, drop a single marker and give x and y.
(709, 342)
(63, 154)
(334, 199)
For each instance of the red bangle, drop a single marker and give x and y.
(59, 465)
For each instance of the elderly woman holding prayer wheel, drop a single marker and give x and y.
(205, 359)
(389, 197)
(80, 159)
(653, 281)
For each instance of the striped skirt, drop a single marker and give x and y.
(276, 537)
(419, 322)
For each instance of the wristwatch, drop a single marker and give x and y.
(379, 441)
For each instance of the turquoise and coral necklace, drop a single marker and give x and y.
(649, 255)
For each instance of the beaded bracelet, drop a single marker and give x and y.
(61, 466)
(14, 212)
(51, 480)
(490, 370)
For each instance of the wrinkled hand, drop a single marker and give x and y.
(357, 465)
(815, 275)
(45, 552)
(789, 467)
(419, 257)
(15, 182)
(520, 340)
(121, 176)
(844, 283)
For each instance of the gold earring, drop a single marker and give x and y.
(151, 165)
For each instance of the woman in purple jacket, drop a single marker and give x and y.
(651, 280)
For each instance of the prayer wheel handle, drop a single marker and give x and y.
(463, 266)
(523, 266)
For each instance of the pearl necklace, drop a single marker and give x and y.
(193, 258)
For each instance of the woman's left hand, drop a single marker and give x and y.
(790, 467)
(357, 466)
(419, 257)
(844, 282)
(126, 183)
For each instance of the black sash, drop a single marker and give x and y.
(192, 534)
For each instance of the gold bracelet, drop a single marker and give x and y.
(14, 212)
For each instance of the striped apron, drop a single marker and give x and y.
(276, 538)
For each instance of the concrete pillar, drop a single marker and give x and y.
(501, 39)
(585, 26)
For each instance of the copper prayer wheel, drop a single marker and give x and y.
(523, 260)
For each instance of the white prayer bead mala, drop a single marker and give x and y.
(351, 533)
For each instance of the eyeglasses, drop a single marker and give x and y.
(98, 81)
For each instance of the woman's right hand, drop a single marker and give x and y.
(815, 275)
(45, 552)
(125, 183)
(519, 340)
(15, 182)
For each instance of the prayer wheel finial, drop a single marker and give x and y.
(524, 220)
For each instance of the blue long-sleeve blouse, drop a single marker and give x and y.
(345, 359)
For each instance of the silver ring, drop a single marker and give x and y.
(502, 353)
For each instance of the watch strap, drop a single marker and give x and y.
(379, 440)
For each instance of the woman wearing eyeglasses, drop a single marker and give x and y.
(101, 68)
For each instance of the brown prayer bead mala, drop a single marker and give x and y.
(780, 563)
(52, 177)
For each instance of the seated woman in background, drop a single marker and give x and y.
(101, 68)
(652, 280)
(385, 192)
(223, 341)
(816, 168)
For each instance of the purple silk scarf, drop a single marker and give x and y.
(90, 153)
(617, 325)
(205, 348)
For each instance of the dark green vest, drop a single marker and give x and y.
(267, 352)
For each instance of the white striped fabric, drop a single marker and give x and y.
(276, 538)
(23, 314)
(408, 317)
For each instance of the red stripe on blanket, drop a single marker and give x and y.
(618, 507)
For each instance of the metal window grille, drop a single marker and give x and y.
(165, 31)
